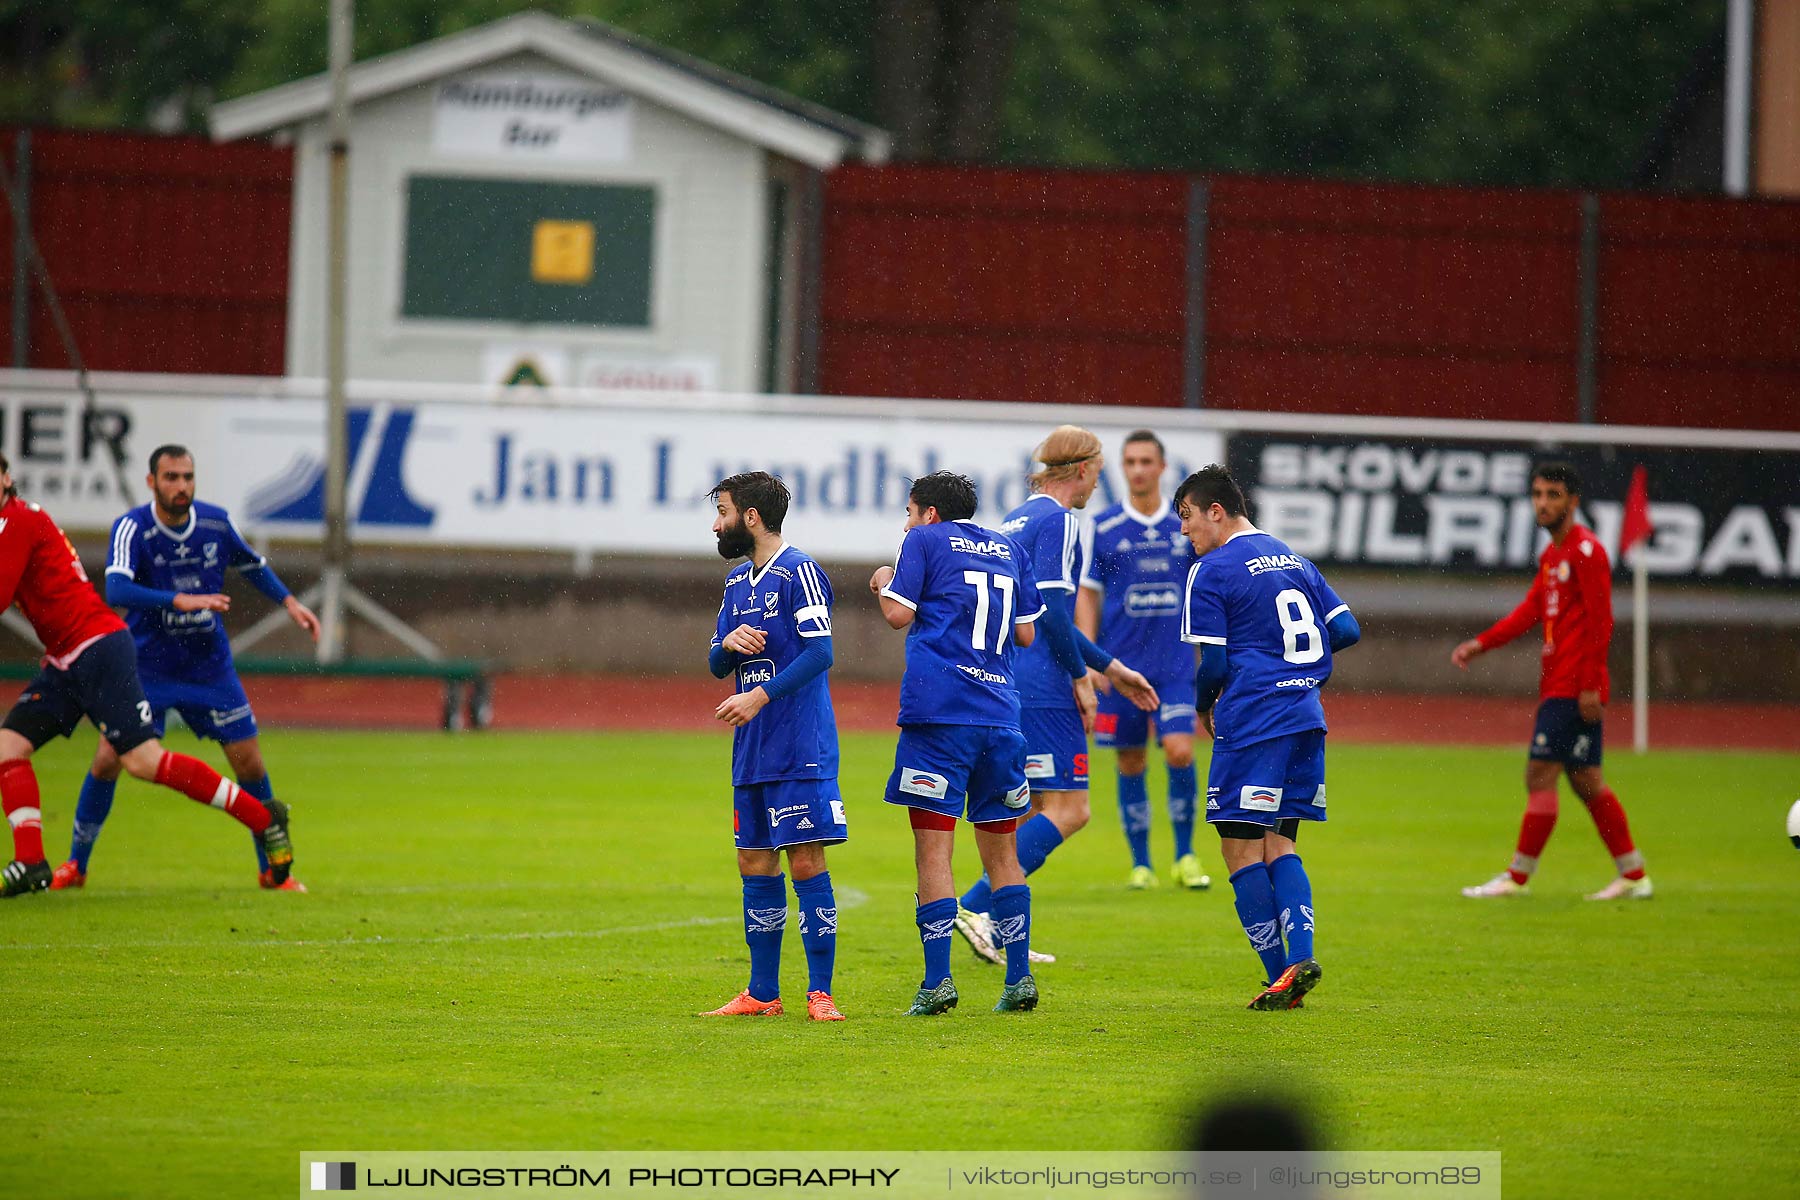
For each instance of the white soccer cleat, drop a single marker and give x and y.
(1500, 885)
(977, 929)
(1625, 889)
(1038, 956)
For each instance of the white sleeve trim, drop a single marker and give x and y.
(1197, 640)
(812, 633)
(1088, 583)
(897, 598)
(120, 571)
(1022, 620)
(1342, 608)
(814, 612)
(1056, 585)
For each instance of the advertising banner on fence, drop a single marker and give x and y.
(1452, 505)
(621, 477)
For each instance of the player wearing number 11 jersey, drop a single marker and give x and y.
(1267, 625)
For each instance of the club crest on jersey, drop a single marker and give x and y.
(1040, 766)
(1257, 798)
(770, 600)
(930, 784)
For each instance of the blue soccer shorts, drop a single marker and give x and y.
(1264, 783)
(1562, 736)
(101, 684)
(972, 771)
(788, 812)
(215, 708)
(1122, 725)
(1056, 750)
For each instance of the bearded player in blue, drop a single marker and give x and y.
(166, 568)
(1267, 625)
(965, 597)
(1130, 605)
(1056, 690)
(774, 640)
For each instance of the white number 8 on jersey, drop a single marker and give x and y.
(1301, 640)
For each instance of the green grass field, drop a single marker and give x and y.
(507, 934)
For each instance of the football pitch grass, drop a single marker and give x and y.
(507, 937)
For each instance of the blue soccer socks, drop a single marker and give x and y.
(263, 790)
(91, 809)
(935, 921)
(1134, 816)
(1037, 838)
(818, 928)
(1293, 897)
(1256, 911)
(1012, 929)
(765, 916)
(1184, 787)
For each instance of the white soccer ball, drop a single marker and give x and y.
(1794, 824)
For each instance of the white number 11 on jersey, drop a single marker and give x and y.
(981, 581)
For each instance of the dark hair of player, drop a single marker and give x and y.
(759, 490)
(1144, 435)
(1561, 472)
(1209, 486)
(951, 494)
(168, 450)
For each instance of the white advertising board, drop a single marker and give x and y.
(544, 471)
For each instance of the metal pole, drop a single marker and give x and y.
(1640, 650)
(1739, 46)
(1587, 346)
(1193, 340)
(21, 280)
(337, 525)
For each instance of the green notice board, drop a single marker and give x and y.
(511, 250)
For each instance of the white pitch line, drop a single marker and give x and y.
(846, 897)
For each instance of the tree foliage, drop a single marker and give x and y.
(1499, 91)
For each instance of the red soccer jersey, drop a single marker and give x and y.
(40, 569)
(1572, 596)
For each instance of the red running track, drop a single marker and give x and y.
(614, 702)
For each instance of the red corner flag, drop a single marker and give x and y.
(1636, 526)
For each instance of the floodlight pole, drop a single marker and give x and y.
(337, 523)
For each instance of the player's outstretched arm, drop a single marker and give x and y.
(124, 592)
(1209, 680)
(1132, 685)
(302, 616)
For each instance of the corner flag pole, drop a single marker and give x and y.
(1634, 534)
(337, 525)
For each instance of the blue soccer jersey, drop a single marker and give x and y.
(1049, 536)
(1138, 564)
(194, 558)
(967, 586)
(793, 737)
(1268, 607)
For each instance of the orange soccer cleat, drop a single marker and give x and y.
(69, 875)
(821, 1007)
(746, 1005)
(266, 881)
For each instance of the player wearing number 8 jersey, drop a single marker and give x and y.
(1267, 625)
